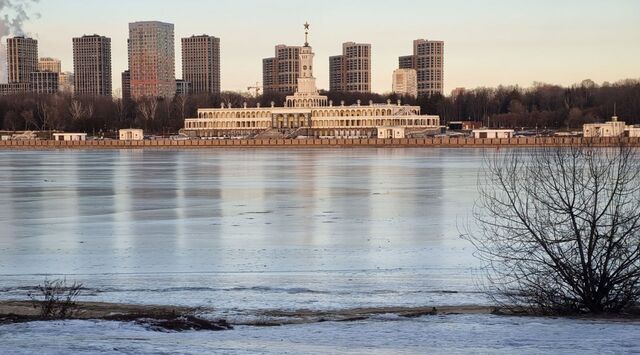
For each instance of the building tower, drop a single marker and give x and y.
(49, 64)
(405, 82)
(151, 59)
(201, 63)
(306, 94)
(44, 82)
(92, 65)
(428, 61)
(126, 85)
(280, 73)
(22, 59)
(351, 71)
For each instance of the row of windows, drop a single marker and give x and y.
(357, 52)
(293, 121)
(289, 66)
(288, 54)
(353, 77)
(357, 65)
(429, 85)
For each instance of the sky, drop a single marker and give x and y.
(487, 43)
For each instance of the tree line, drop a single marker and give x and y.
(542, 106)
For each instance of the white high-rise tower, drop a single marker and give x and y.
(307, 93)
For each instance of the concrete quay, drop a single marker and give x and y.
(443, 142)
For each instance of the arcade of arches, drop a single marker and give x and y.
(341, 121)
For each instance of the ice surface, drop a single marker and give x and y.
(430, 334)
(241, 231)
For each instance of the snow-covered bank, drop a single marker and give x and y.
(383, 334)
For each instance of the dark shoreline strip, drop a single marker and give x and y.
(174, 318)
(325, 143)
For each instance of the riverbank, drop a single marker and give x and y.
(167, 317)
(442, 142)
(177, 318)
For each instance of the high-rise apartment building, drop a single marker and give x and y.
(280, 73)
(126, 85)
(50, 64)
(3, 64)
(183, 87)
(14, 88)
(351, 71)
(405, 82)
(201, 64)
(92, 65)
(336, 73)
(22, 58)
(406, 62)
(428, 61)
(44, 82)
(152, 59)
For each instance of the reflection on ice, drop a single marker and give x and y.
(326, 220)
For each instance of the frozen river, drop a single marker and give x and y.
(244, 230)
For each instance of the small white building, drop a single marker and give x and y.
(492, 133)
(613, 128)
(131, 134)
(390, 132)
(69, 136)
(632, 131)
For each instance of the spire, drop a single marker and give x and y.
(306, 34)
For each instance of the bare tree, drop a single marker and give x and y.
(559, 229)
(76, 110)
(88, 111)
(29, 119)
(181, 103)
(46, 112)
(148, 108)
(121, 110)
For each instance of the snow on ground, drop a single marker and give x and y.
(386, 334)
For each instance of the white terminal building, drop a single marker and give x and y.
(613, 128)
(307, 113)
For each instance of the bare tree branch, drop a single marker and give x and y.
(558, 229)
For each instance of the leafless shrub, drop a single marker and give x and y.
(559, 229)
(55, 298)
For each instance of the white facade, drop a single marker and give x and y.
(391, 132)
(492, 133)
(632, 131)
(609, 129)
(131, 134)
(405, 82)
(306, 94)
(69, 136)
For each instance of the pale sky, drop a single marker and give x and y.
(487, 43)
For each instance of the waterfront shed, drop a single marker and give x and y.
(492, 133)
(131, 134)
(69, 136)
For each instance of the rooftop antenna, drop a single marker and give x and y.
(306, 34)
